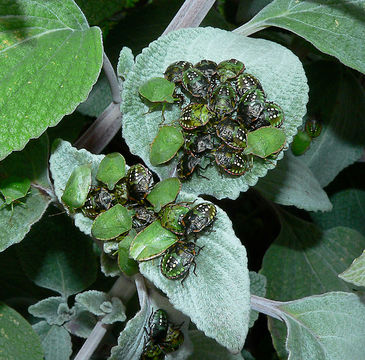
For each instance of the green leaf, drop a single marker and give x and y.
(101, 304)
(64, 159)
(348, 210)
(330, 326)
(57, 259)
(335, 27)
(53, 309)
(98, 100)
(312, 262)
(258, 288)
(206, 348)
(164, 192)
(111, 169)
(125, 62)
(56, 341)
(355, 274)
(82, 323)
(221, 268)
(292, 183)
(44, 75)
(112, 223)
(338, 98)
(18, 340)
(301, 143)
(14, 188)
(151, 242)
(77, 186)
(279, 71)
(126, 264)
(165, 145)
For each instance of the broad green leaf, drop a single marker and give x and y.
(355, 274)
(14, 188)
(63, 161)
(112, 223)
(247, 355)
(206, 348)
(31, 163)
(57, 258)
(248, 9)
(126, 264)
(53, 309)
(101, 304)
(221, 268)
(82, 323)
(164, 192)
(300, 143)
(335, 27)
(44, 72)
(18, 341)
(151, 242)
(56, 341)
(98, 100)
(111, 169)
(125, 63)
(258, 288)
(313, 259)
(292, 183)
(165, 145)
(348, 210)
(328, 327)
(77, 186)
(338, 98)
(279, 71)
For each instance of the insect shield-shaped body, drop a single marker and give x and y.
(139, 182)
(229, 69)
(223, 99)
(232, 133)
(245, 83)
(121, 191)
(194, 116)
(157, 90)
(272, 114)
(142, 217)
(231, 161)
(196, 83)
(250, 108)
(174, 339)
(171, 215)
(176, 262)
(158, 326)
(208, 68)
(313, 128)
(186, 165)
(198, 218)
(152, 351)
(174, 72)
(198, 142)
(98, 200)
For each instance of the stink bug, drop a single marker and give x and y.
(198, 218)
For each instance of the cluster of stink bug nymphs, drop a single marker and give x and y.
(225, 117)
(163, 337)
(138, 220)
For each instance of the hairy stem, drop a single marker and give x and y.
(266, 306)
(112, 78)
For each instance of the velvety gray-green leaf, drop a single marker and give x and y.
(64, 159)
(125, 62)
(111, 169)
(328, 327)
(338, 98)
(219, 294)
(109, 266)
(335, 27)
(82, 323)
(304, 261)
(53, 309)
(50, 58)
(258, 288)
(292, 183)
(348, 210)
(57, 258)
(56, 341)
(206, 348)
(355, 274)
(18, 340)
(279, 71)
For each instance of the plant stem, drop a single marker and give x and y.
(112, 78)
(266, 306)
(191, 14)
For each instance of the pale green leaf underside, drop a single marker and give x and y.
(355, 274)
(56, 341)
(219, 294)
(63, 161)
(49, 60)
(292, 183)
(279, 71)
(18, 340)
(258, 288)
(335, 27)
(326, 327)
(48, 309)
